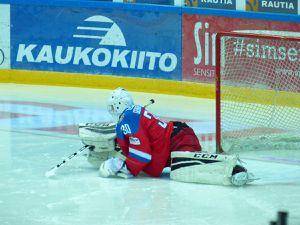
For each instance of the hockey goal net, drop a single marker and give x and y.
(257, 92)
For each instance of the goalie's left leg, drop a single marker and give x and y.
(201, 167)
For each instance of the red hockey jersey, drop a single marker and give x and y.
(145, 140)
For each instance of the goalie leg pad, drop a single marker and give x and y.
(100, 135)
(97, 158)
(199, 167)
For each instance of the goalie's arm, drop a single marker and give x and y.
(137, 149)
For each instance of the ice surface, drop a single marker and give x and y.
(38, 130)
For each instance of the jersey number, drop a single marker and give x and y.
(126, 129)
(160, 123)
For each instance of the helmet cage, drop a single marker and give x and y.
(119, 100)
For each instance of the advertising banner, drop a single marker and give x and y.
(5, 36)
(283, 6)
(199, 34)
(217, 4)
(97, 41)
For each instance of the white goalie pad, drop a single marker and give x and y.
(201, 167)
(100, 135)
(97, 158)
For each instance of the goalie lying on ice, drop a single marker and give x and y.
(149, 145)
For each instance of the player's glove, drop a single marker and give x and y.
(114, 167)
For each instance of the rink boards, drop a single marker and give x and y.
(103, 44)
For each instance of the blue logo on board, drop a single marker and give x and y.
(105, 30)
(112, 50)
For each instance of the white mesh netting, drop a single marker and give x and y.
(259, 93)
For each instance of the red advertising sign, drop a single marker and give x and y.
(199, 33)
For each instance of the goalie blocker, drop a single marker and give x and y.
(201, 167)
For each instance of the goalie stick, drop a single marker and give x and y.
(151, 101)
(52, 171)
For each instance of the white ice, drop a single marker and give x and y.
(77, 195)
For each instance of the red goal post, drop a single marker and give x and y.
(257, 92)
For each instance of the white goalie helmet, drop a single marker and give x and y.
(119, 100)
